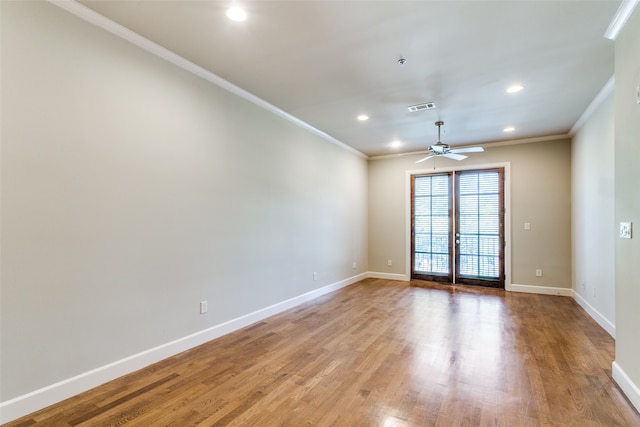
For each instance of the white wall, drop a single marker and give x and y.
(592, 219)
(626, 368)
(132, 190)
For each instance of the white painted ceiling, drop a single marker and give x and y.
(325, 62)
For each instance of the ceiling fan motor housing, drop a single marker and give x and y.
(440, 147)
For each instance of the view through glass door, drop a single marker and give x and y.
(457, 227)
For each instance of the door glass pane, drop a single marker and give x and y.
(479, 224)
(432, 224)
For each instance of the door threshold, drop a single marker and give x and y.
(453, 288)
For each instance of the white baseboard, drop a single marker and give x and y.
(38, 399)
(543, 290)
(605, 323)
(388, 276)
(630, 389)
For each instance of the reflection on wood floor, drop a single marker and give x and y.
(379, 353)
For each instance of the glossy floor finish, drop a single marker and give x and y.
(379, 353)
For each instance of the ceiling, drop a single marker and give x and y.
(326, 62)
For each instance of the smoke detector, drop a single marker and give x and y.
(420, 107)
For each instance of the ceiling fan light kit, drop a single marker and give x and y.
(444, 150)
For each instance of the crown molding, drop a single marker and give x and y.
(606, 90)
(113, 27)
(620, 19)
(484, 145)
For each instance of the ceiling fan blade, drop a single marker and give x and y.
(454, 156)
(426, 158)
(468, 150)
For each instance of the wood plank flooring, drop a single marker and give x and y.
(379, 353)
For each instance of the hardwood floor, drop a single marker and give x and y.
(379, 353)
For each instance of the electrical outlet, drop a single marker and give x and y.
(315, 275)
(539, 272)
(527, 226)
(355, 264)
(389, 263)
(204, 307)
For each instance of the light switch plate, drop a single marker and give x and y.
(625, 230)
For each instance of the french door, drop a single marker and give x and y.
(457, 227)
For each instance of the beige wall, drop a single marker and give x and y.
(540, 183)
(627, 202)
(132, 190)
(593, 243)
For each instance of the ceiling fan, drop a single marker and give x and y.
(441, 149)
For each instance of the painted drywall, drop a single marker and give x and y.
(540, 195)
(592, 219)
(132, 190)
(627, 201)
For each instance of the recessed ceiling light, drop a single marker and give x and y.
(396, 144)
(236, 13)
(515, 88)
(363, 117)
(509, 129)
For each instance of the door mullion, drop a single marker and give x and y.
(454, 228)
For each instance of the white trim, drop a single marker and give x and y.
(630, 389)
(485, 145)
(620, 19)
(389, 276)
(38, 399)
(600, 319)
(604, 323)
(106, 24)
(606, 90)
(507, 207)
(542, 290)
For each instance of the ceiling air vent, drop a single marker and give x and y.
(420, 107)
